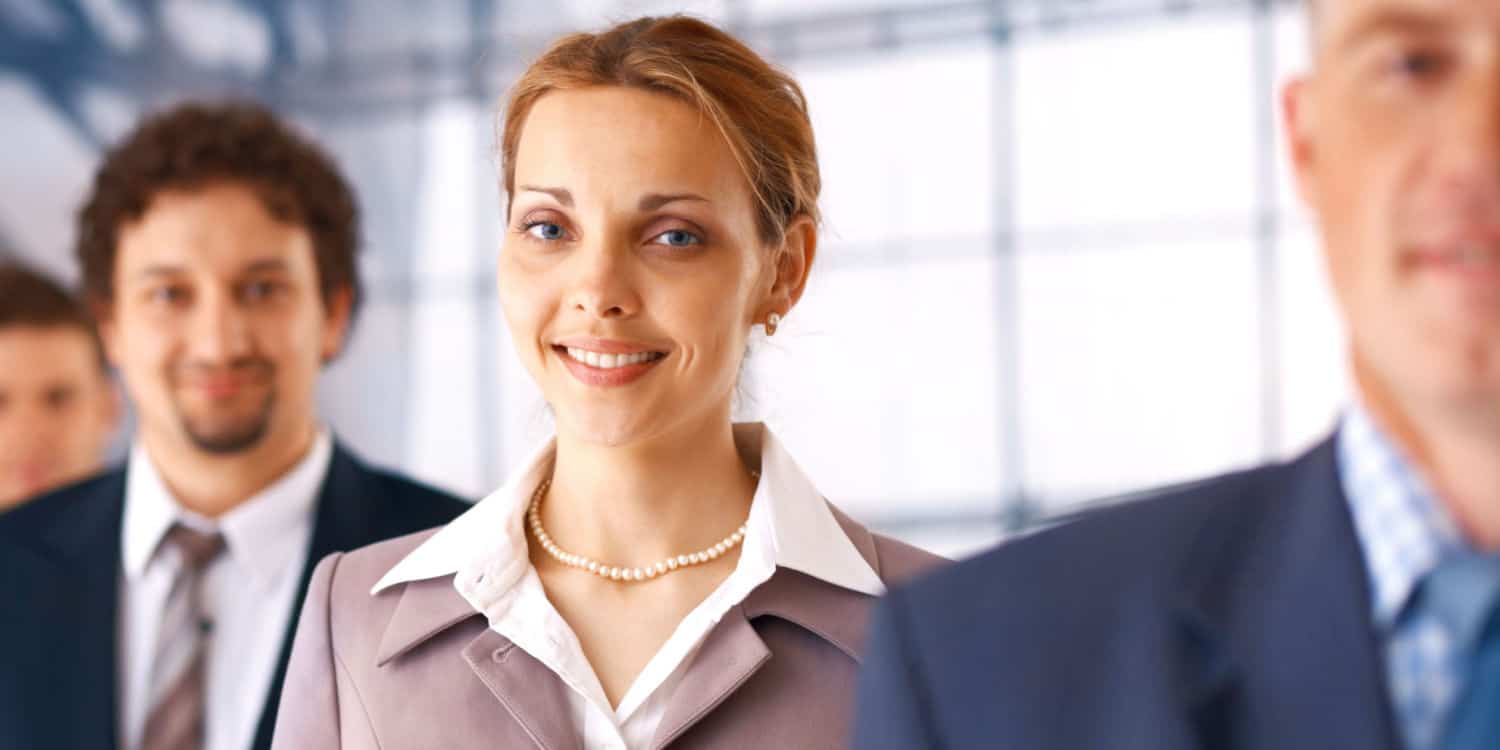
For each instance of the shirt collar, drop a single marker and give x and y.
(260, 533)
(1404, 529)
(804, 534)
(790, 526)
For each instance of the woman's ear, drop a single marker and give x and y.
(794, 260)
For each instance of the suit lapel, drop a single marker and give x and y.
(97, 652)
(1277, 644)
(346, 503)
(72, 635)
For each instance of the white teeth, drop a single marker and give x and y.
(609, 361)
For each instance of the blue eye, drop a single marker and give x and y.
(545, 230)
(678, 238)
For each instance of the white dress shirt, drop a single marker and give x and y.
(790, 525)
(249, 591)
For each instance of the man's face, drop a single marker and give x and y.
(217, 324)
(1396, 144)
(57, 409)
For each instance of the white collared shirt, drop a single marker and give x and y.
(249, 591)
(790, 525)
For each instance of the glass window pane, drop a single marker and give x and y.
(904, 143)
(884, 382)
(1314, 365)
(1139, 366)
(1134, 123)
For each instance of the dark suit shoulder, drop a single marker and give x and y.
(57, 518)
(1228, 612)
(56, 505)
(1129, 552)
(427, 505)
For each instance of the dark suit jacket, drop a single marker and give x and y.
(59, 574)
(1233, 613)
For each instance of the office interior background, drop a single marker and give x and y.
(1063, 261)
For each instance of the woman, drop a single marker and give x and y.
(655, 574)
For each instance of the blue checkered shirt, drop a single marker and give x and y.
(1405, 533)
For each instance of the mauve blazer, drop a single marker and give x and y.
(416, 667)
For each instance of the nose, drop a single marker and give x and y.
(1469, 144)
(219, 331)
(603, 282)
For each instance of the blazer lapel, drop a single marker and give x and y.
(345, 506)
(734, 651)
(730, 655)
(533, 696)
(1277, 645)
(528, 690)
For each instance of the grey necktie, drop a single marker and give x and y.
(177, 673)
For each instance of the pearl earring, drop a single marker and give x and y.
(773, 321)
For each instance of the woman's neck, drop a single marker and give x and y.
(639, 503)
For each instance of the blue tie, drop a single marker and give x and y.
(1466, 594)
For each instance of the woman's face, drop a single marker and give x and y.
(631, 271)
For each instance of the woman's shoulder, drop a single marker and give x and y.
(894, 561)
(360, 595)
(900, 561)
(353, 575)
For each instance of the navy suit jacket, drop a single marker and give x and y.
(59, 573)
(1231, 613)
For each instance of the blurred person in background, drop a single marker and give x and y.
(58, 406)
(655, 574)
(1346, 599)
(153, 607)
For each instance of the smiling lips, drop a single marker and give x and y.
(1476, 263)
(608, 368)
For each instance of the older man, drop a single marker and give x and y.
(1346, 599)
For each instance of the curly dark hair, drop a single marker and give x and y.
(27, 298)
(196, 144)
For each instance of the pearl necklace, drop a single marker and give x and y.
(613, 573)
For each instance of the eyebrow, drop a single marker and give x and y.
(657, 200)
(264, 265)
(1390, 20)
(159, 270)
(559, 194)
(649, 202)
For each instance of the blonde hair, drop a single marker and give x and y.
(759, 109)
